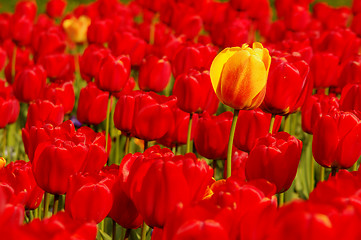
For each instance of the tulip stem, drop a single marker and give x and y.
(13, 64)
(46, 205)
(230, 143)
(146, 145)
(114, 230)
(333, 171)
(270, 130)
(322, 174)
(107, 127)
(56, 203)
(144, 231)
(36, 213)
(117, 142)
(354, 167)
(214, 168)
(127, 233)
(281, 199)
(189, 133)
(127, 145)
(152, 29)
(312, 175)
(4, 142)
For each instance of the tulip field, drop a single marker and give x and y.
(180, 119)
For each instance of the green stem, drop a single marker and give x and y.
(114, 230)
(127, 233)
(127, 145)
(189, 133)
(152, 29)
(46, 205)
(36, 213)
(322, 174)
(286, 125)
(144, 231)
(281, 199)
(312, 175)
(13, 64)
(146, 145)
(107, 126)
(230, 143)
(354, 167)
(4, 142)
(117, 142)
(31, 215)
(56, 203)
(270, 130)
(214, 168)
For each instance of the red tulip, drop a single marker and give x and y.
(3, 58)
(212, 135)
(92, 105)
(166, 181)
(275, 158)
(351, 71)
(125, 43)
(113, 73)
(49, 41)
(22, 62)
(251, 125)
(351, 98)
(337, 139)
(287, 86)
(143, 115)
(315, 106)
(325, 70)
(154, 74)
(66, 152)
(20, 177)
(29, 83)
(21, 30)
(239, 159)
(43, 111)
(355, 25)
(123, 210)
(88, 197)
(91, 61)
(59, 67)
(55, 8)
(195, 93)
(9, 105)
(100, 31)
(61, 94)
(26, 8)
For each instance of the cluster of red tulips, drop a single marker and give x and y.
(122, 116)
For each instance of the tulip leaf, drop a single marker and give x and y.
(104, 235)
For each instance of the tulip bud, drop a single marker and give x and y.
(100, 31)
(9, 105)
(61, 94)
(154, 74)
(76, 28)
(55, 8)
(351, 98)
(91, 61)
(275, 158)
(43, 111)
(2, 162)
(239, 76)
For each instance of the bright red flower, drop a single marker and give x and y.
(91, 61)
(100, 31)
(95, 190)
(154, 74)
(113, 73)
(61, 94)
(92, 105)
(195, 93)
(275, 158)
(55, 8)
(337, 139)
(59, 67)
(9, 105)
(212, 135)
(351, 98)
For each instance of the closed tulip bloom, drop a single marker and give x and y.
(337, 139)
(43, 111)
(88, 197)
(21, 30)
(166, 181)
(66, 152)
(92, 105)
(351, 98)
(123, 210)
(55, 8)
(212, 134)
(194, 92)
(239, 159)
(287, 86)
(29, 83)
(251, 125)
(239, 76)
(20, 177)
(325, 70)
(27, 9)
(144, 115)
(315, 106)
(275, 158)
(154, 74)
(113, 73)
(76, 28)
(91, 61)
(351, 71)
(61, 94)
(9, 105)
(59, 67)
(49, 42)
(100, 31)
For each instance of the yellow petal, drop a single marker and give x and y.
(217, 65)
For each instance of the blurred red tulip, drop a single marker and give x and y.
(61, 94)
(88, 197)
(337, 139)
(21, 30)
(154, 74)
(26, 8)
(113, 73)
(92, 105)
(325, 69)
(100, 31)
(275, 158)
(59, 67)
(351, 71)
(55, 8)
(351, 98)
(9, 105)
(91, 61)
(195, 93)
(212, 135)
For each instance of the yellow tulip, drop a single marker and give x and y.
(239, 76)
(77, 28)
(2, 162)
